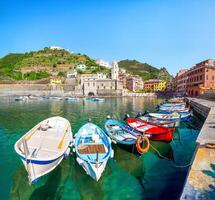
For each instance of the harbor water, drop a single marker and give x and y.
(158, 174)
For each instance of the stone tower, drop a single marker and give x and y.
(114, 71)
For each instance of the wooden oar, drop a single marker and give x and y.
(62, 140)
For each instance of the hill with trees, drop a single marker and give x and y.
(144, 70)
(43, 63)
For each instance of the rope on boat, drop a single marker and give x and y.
(173, 163)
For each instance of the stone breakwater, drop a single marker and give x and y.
(200, 183)
(60, 90)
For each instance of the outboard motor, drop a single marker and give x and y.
(139, 114)
(126, 116)
(145, 113)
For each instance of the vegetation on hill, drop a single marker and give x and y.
(144, 70)
(41, 64)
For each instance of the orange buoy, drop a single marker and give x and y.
(139, 141)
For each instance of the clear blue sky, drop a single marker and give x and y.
(175, 34)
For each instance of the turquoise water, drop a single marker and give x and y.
(126, 176)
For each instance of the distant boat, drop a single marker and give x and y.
(94, 99)
(71, 99)
(21, 98)
(31, 97)
(93, 149)
(43, 147)
(56, 98)
(154, 131)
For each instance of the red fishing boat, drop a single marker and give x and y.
(154, 131)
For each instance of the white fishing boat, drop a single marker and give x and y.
(43, 147)
(22, 98)
(172, 116)
(93, 149)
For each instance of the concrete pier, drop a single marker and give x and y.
(200, 183)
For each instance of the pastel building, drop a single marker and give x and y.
(181, 82)
(155, 85)
(103, 63)
(134, 83)
(201, 77)
(160, 85)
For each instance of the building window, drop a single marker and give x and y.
(213, 78)
(200, 77)
(206, 77)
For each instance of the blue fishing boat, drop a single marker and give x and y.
(120, 132)
(93, 149)
(95, 99)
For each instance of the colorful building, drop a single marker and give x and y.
(181, 82)
(134, 83)
(56, 81)
(155, 85)
(160, 85)
(201, 77)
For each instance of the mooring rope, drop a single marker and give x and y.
(173, 163)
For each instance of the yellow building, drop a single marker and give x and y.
(56, 81)
(160, 85)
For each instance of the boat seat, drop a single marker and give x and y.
(91, 149)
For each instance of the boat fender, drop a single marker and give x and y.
(139, 142)
(66, 154)
(108, 117)
(112, 154)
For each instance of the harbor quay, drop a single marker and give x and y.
(200, 183)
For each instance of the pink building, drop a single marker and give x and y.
(201, 77)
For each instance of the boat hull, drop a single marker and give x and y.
(91, 169)
(154, 132)
(39, 168)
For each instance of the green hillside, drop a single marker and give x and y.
(41, 64)
(144, 70)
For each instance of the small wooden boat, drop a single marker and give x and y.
(183, 104)
(93, 149)
(174, 109)
(159, 122)
(43, 147)
(120, 132)
(176, 100)
(154, 131)
(172, 116)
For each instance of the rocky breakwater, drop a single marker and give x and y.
(200, 183)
